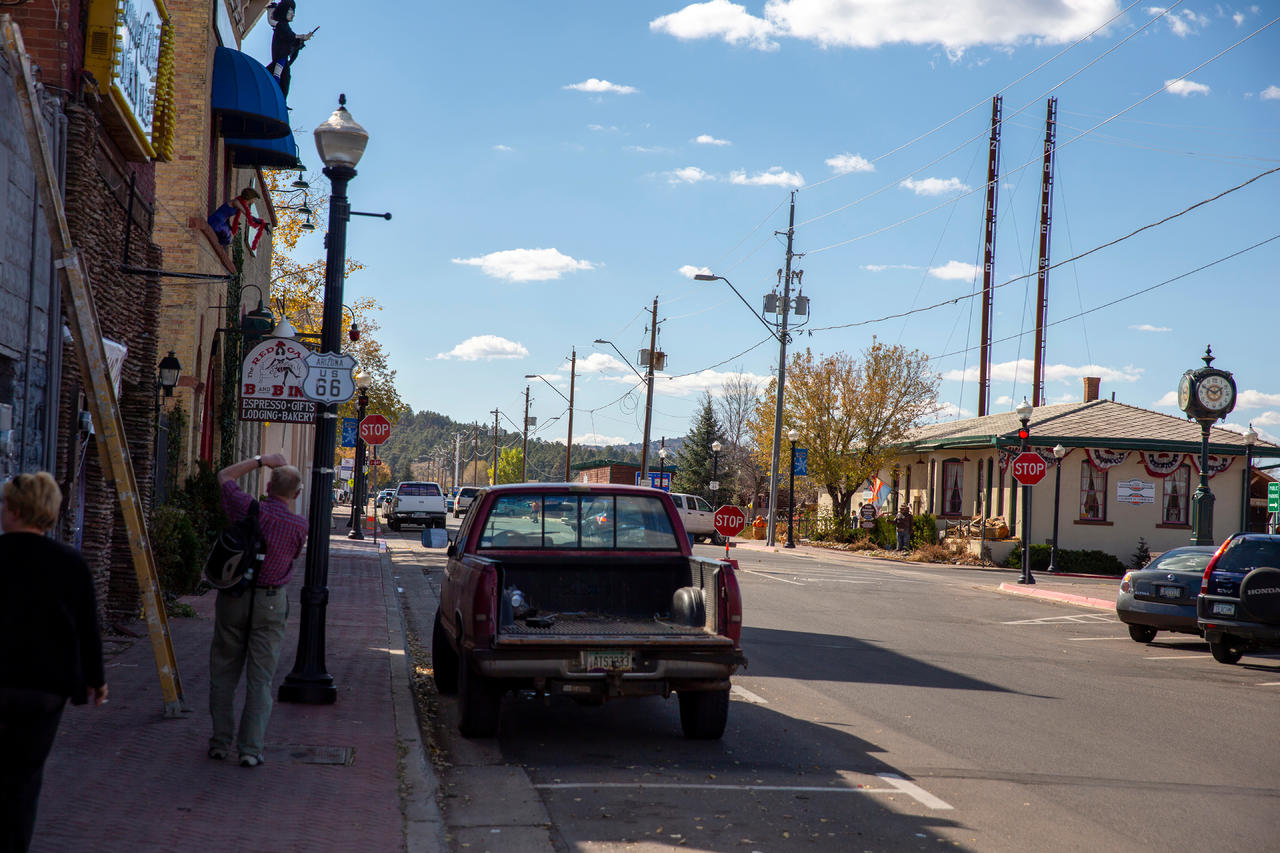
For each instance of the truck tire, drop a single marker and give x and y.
(444, 660)
(1224, 652)
(1142, 633)
(479, 702)
(703, 713)
(393, 524)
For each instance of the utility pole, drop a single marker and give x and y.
(648, 404)
(568, 442)
(988, 259)
(457, 458)
(782, 377)
(524, 445)
(1042, 275)
(475, 457)
(495, 447)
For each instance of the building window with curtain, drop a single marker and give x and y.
(1175, 503)
(1093, 492)
(952, 487)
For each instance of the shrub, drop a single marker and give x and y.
(884, 534)
(931, 553)
(1142, 556)
(1076, 562)
(178, 550)
(924, 530)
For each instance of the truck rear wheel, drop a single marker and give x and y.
(479, 702)
(704, 713)
(444, 660)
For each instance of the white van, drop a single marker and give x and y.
(698, 516)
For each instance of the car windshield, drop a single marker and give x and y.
(1182, 561)
(467, 493)
(596, 522)
(419, 490)
(1245, 554)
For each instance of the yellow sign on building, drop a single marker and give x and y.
(129, 51)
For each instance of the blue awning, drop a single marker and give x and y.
(247, 98)
(279, 153)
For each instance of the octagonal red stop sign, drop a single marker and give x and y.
(375, 429)
(730, 520)
(1029, 468)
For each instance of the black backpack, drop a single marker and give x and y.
(237, 554)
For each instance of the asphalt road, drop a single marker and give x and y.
(892, 707)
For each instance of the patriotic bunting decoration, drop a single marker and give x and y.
(1163, 464)
(1103, 459)
(1217, 464)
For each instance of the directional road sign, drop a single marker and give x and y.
(375, 429)
(730, 520)
(1273, 497)
(330, 377)
(1029, 468)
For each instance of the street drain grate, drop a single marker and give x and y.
(342, 756)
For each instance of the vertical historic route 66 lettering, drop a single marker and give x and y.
(329, 377)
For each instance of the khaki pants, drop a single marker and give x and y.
(254, 649)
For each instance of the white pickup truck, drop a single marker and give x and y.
(698, 517)
(416, 503)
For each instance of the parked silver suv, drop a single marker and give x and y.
(466, 495)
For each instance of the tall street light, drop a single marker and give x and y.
(648, 406)
(341, 141)
(568, 443)
(1024, 414)
(1058, 452)
(1250, 439)
(791, 492)
(363, 381)
(662, 467)
(1205, 395)
(715, 470)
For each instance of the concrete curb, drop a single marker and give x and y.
(1060, 597)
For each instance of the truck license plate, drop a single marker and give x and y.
(612, 660)
(1222, 608)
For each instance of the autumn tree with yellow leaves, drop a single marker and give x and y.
(850, 412)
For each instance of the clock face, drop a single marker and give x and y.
(1215, 394)
(1184, 392)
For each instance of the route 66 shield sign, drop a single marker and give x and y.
(330, 377)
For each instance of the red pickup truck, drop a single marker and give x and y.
(588, 591)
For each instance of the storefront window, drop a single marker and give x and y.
(1175, 502)
(952, 487)
(1093, 493)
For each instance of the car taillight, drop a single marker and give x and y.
(1125, 585)
(484, 607)
(1208, 570)
(730, 604)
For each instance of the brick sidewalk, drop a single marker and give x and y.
(121, 777)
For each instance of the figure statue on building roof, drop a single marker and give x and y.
(285, 43)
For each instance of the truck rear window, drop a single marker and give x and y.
(571, 522)
(419, 490)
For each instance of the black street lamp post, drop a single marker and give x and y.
(1024, 414)
(1205, 395)
(715, 472)
(1058, 453)
(1250, 439)
(662, 467)
(791, 493)
(362, 380)
(340, 142)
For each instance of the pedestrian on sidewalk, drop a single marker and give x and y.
(904, 522)
(50, 648)
(249, 625)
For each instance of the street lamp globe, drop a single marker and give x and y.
(793, 434)
(1024, 410)
(1251, 436)
(716, 446)
(1059, 452)
(169, 369)
(340, 140)
(662, 451)
(362, 380)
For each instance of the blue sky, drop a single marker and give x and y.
(552, 167)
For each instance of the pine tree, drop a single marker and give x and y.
(694, 461)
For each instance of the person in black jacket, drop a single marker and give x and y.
(50, 648)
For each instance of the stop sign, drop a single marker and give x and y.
(730, 520)
(1029, 468)
(375, 429)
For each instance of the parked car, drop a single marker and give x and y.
(466, 495)
(698, 516)
(416, 503)
(1161, 596)
(1239, 605)
(589, 592)
(383, 501)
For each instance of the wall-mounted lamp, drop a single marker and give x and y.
(170, 369)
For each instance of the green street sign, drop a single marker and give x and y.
(1273, 497)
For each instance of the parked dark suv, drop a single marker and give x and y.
(1239, 605)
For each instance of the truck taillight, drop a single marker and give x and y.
(1208, 570)
(730, 604)
(484, 607)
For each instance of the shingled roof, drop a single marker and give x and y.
(1099, 423)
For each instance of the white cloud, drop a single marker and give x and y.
(708, 139)
(1262, 433)
(643, 149)
(501, 147)
(1251, 399)
(950, 412)
(1169, 398)
(599, 87)
(842, 23)
(717, 18)
(936, 186)
(600, 128)
(689, 270)
(1185, 88)
(1147, 327)
(1004, 400)
(526, 264)
(595, 439)
(843, 164)
(883, 267)
(706, 380)
(1271, 93)
(1181, 24)
(487, 348)
(1238, 17)
(1020, 369)
(1266, 419)
(774, 177)
(956, 271)
(601, 362)
(688, 175)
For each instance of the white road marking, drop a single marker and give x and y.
(1095, 639)
(1177, 657)
(748, 696)
(899, 786)
(911, 789)
(1052, 620)
(769, 576)
(1269, 683)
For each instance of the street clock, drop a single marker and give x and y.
(1207, 394)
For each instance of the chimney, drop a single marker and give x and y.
(1091, 384)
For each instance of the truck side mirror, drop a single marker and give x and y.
(434, 537)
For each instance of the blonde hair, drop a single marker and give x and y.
(34, 499)
(285, 482)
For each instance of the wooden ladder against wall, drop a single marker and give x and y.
(92, 358)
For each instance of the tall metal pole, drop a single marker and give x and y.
(495, 447)
(1042, 275)
(782, 378)
(791, 501)
(1026, 519)
(524, 446)
(648, 401)
(1202, 500)
(1057, 496)
(357, 504)
(457, 458)
(988, 258)
(475, 457)
(568, 442)
(309, 682)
